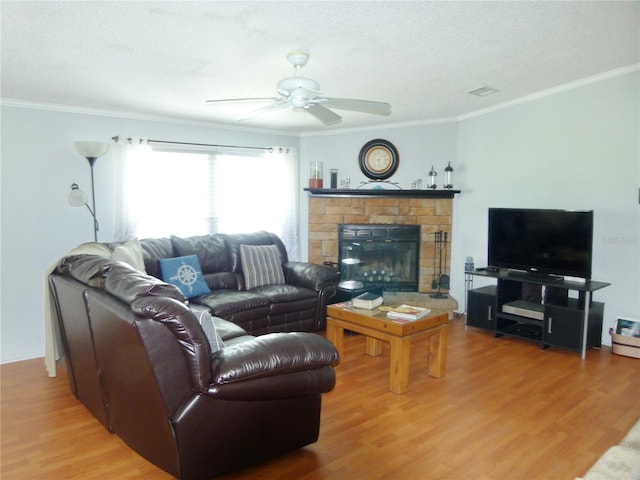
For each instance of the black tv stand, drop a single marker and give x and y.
(538, 308)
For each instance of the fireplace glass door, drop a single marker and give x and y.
(385, 256)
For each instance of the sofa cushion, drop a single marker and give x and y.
(153, 249)
(285, 293)
(130, 252)
(184, 273)
(223, 303)
(246, 309)
(221, 280)
(261, 265)
(228, 330)
(211, 251)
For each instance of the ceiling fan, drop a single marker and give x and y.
(301, 93)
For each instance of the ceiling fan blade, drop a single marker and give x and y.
(228, 100)
(323, 114)
(279, 102)
(363, 106)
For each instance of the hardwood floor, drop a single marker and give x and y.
(505, 410)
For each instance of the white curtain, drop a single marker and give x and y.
(288, 188)
(189, 190)
(125, 151)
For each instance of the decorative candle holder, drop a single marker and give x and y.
(315, 175)
(448, 172)
(433, 179)
(334, 178)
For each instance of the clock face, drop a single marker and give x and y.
(379, 159)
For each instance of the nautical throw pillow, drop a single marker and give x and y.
(209, 327)
(261, 265)
(186, 274)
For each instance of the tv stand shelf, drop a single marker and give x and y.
(538, 309)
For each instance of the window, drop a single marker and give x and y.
(247, 194)
(169, 193)
(188, 193)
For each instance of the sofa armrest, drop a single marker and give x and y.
(276, 365)
(285, 386)
(310, 275)
(272, 355)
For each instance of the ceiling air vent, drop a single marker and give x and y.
(482, 91)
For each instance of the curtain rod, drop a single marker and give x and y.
(270, 149)
(116, 138)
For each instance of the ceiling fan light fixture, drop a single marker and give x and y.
(298, 101)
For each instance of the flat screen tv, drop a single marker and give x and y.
(544, 242)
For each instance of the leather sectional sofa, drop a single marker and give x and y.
(298, 304)
(197, 399)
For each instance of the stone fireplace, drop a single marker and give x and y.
(328, 209)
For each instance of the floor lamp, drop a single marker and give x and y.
(77, 198)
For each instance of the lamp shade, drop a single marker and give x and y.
(91, 149)
(77, 197)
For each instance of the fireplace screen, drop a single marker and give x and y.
(384, 256)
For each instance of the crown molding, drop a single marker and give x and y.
(553, 91)
(7, 102)
(383, 126)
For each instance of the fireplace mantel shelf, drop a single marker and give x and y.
(393, 193)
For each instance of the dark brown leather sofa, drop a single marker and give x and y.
(138, 358)
(300, 304)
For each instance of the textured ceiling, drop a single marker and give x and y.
(166, 58)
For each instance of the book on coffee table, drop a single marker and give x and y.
(367, 300)
(407, 312)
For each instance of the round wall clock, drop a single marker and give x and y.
(379, 159)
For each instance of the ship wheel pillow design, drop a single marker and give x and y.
(186, 274)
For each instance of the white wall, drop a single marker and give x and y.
(38, 166)
(578, 149)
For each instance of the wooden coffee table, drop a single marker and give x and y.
(375, 325)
